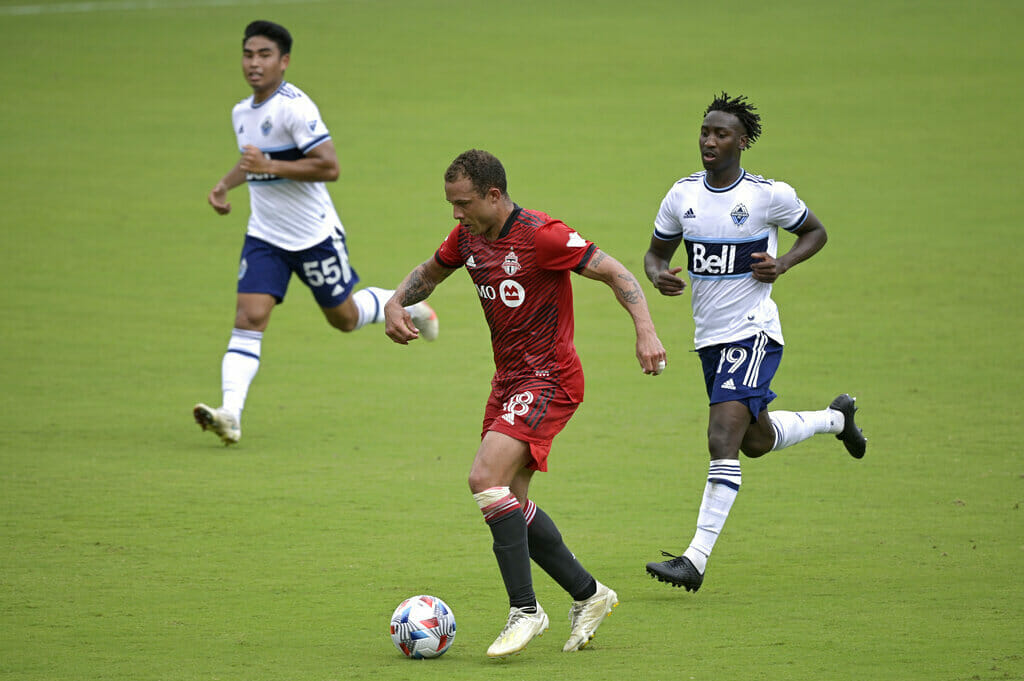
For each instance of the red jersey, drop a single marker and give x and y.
(522, 278)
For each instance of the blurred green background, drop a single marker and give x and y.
(132, 546)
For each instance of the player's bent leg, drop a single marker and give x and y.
(252, 311)
(343, 317)
(759, 438)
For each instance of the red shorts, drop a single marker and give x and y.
(531, 411)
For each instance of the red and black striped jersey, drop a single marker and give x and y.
(522, 279)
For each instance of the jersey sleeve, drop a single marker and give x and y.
(447, 254)
(305, 125)
(666, 224)
(559, 247)
(786, 210)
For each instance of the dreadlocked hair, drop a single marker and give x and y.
(741, 109)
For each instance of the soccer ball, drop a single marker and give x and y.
(423, 626)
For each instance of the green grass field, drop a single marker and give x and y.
(134, 547)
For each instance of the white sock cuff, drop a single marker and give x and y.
(246, 342)
(726, 472)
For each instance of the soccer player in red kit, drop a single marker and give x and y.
(519, 261)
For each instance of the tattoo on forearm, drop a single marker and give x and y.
(630, 290)
(597, 259)
(416, 289)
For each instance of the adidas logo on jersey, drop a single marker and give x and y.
(729, 385)
(470, 262)
(689, 214)
(576, 241)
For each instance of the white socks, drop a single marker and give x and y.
(720, 491)
(370, 301)
(796, 426)
(239, 367)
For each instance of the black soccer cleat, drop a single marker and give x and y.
(678, 572)
(852, 436)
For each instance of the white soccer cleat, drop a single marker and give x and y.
(220, 421)
(425, 319)
(586, 616)
(520, 629)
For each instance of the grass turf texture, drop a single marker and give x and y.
(134, 547)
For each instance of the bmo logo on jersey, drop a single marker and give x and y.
(732, 259)
(509, 291)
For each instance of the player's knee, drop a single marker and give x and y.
(250, 320)
(478, 482)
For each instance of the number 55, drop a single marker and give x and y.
(322, 272)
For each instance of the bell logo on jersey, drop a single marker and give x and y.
(511, 264)
(511, 293)
(723, 262)
(723, 259)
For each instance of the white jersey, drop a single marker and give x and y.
(288, 214)
(721, 228)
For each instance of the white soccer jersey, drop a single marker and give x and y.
(721, 228)
(288, 214)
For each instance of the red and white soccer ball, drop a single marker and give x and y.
(423, 627)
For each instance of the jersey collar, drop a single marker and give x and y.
(743, 173)
(513, 216)
(274, 94)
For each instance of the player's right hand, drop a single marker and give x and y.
(398, 325)
(668, 284)
(218, 198)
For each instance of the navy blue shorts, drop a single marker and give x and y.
(324, 268)
(742, 371)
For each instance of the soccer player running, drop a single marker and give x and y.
(728, 220)
(286, 157)
(519, 261)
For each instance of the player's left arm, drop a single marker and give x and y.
(630, 295)
(320, 164)
(810, 238)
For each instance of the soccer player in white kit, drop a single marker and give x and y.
(286, 157)
(728, 220)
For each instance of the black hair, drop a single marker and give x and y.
(274, 32)
(741, 109)
(483, 169)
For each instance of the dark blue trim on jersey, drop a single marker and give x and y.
(757, 179)
(318, 141)
(799, 223)
(692, 178)
(280, 87)
(715, 190)
(663, 237)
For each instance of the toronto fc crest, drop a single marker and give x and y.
(511, 264)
